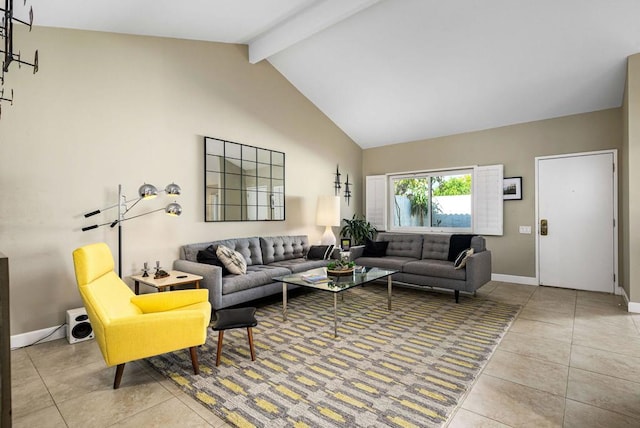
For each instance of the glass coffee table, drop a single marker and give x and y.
(335, 285)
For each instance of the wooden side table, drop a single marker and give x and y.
(175, 278)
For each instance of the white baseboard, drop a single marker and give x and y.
(525, 280)
(631, 306)
(29, 338)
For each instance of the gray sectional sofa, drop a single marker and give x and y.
(267, 257)
(425, 260)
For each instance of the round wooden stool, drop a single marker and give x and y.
(234, 318)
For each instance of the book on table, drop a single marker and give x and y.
(315, 278)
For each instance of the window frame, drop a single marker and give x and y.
(428, 174)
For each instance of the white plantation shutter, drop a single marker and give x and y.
(487, 200)
(376, 203)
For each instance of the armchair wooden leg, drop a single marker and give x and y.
(119, 371)
(194, 360)
(250, 334)
(219, 351)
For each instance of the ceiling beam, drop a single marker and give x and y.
(309, 21)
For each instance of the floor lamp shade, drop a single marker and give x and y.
(328, 215)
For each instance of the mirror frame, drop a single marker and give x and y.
(242, 182)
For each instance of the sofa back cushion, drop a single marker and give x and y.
(278, 248)
(435, 246)
(248, 247)
(478, 244)
(402, 244)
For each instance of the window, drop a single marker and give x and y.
(431, 201)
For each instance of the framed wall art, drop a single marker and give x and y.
(512, 188)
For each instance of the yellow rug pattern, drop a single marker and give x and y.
(405, 368)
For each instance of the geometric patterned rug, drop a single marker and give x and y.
(406, 368)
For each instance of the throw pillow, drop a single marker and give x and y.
(319, 252)
(375, 248)
(208, 256)
(233, 260)
(461, 260)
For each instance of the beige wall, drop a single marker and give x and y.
(109, 109)
(516, 147)
(631, 176)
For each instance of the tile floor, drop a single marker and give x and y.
(570, 359)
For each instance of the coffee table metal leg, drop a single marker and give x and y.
(284, 301)
(389, 282)
(335, 314)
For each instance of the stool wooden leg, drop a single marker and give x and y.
(253, 353)
(219, 351)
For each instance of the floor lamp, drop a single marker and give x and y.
(146, 191)
(328, 215)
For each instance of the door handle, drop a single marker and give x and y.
(544, 227)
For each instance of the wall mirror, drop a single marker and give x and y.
(242, 183)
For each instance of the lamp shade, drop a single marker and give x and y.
(148, 191)
(173, 189)
(173, 209)
(328, 211)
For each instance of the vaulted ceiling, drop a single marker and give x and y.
(391, 71)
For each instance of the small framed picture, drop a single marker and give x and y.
(345, 243)
(512, 188)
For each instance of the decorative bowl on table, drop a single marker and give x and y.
(340, 268)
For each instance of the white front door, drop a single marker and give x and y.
(576, 214)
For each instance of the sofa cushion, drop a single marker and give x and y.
(248, 247)
(461, 261)
(252, 279)
(375, 248)
(319, 252)
(278, 248)
(402, 244)
(435, 268)
(457, 243)
(435, 246)
(208, 256)
(388, 262)
(233, 260)
(300, 264)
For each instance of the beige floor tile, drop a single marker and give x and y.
(605, 392)
(202, 411)
(580, 415)
(593, 298)
(554, 351)
(58, 355)
(554, 293)
(49, 417)
(606, 340)
(23, 370)
(79, 381)
(465, 419)
(537, 313)
(542, 329)
(558, 306)
(513, 404)
(27, 397)
(105, 407)
(171, 413)
(606, 363)
(527, 371)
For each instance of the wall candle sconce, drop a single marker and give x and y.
(336, 183)
(347, 190)
(146, 191)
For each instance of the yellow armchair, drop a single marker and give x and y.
(129, 327)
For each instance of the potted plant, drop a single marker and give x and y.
(358, 229)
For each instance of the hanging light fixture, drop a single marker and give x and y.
(9, 56)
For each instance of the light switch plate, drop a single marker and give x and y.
(525, 229)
